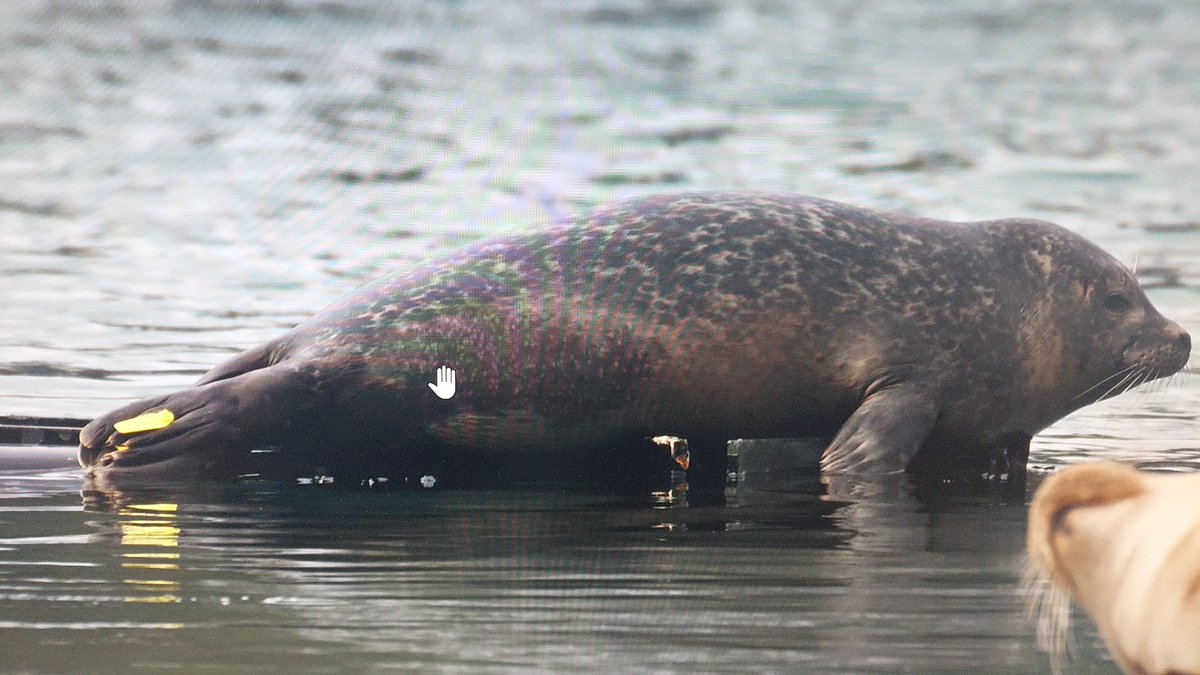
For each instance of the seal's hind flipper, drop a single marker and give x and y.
(210, 430)
(884, 433)
(254, 358)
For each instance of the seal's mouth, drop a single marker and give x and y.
(1141, 361)
(1146, 361)
(1166, 357)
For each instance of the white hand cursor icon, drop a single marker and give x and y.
(445, 383)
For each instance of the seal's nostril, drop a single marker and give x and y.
(1185, 341)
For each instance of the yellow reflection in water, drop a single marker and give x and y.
(150, 526)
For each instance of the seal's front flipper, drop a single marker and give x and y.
(205, 431)
(884, 433)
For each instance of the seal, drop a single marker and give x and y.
(910, 343)
(1125, 544)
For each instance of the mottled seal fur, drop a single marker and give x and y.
(910, 342)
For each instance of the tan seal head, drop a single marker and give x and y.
(1124, 545)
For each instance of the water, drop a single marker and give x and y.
(183, 180)
(330, 581)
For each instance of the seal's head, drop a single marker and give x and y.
(1089, 330)
(1125, 545)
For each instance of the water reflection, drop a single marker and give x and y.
(552, 577)
(146, 529)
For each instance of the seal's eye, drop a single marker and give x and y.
(1116, 303)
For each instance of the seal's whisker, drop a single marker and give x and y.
(1158, 386)
(1168, 383)
(1172, 382)
(1152, 377)
(1109, 394)
(1103, 381)
(1175, 379)
(1144, 375)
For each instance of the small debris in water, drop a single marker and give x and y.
(678, 448)
(428, 481)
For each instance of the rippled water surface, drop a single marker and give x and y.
(182, 180)
(334, 581)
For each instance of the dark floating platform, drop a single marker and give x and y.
(758, 468)
(52, 431)
(38, 443)
(768, 469)
(37, 458)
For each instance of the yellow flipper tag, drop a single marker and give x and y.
(145, 422)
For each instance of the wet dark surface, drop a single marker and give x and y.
(545, 578)
(181, 181)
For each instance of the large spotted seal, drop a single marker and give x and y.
(910, 342)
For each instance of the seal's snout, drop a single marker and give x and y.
(1159, 350)
(1179, 344)
(1184, 341)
